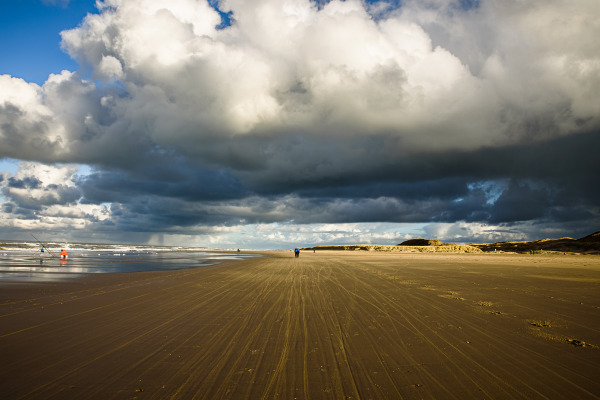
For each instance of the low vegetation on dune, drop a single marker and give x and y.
(587, 245)
(423, 242)
(445, 248)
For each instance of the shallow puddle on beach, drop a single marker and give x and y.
(28, 266)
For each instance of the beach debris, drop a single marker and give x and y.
(581, 343)
(541, 324)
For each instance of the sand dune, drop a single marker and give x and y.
(587, 245)
(354, 325)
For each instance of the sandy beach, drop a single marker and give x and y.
(326, 325)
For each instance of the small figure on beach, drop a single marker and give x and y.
(63, 254)
(297, 252)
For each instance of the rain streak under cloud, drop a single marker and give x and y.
(275, 123)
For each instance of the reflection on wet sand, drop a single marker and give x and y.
(22, 265)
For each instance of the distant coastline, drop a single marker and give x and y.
(586, 245)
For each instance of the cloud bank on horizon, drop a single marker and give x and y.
(287, 121)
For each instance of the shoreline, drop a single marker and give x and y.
(23, 266)
(325, 325)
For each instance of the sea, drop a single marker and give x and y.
(24, 261)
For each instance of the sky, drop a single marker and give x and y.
(273, 124)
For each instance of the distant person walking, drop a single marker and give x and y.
(297, 252)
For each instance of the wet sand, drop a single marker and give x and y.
(330, 325)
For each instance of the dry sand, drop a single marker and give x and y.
(354, 325)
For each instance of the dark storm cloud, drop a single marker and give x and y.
(377, 185)
(564, 163)
(546, 179)
(47, 196)
(542, 180)
(158, 214)
(28, 213)
(25, 183)
(191, 184)
(23, 135)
